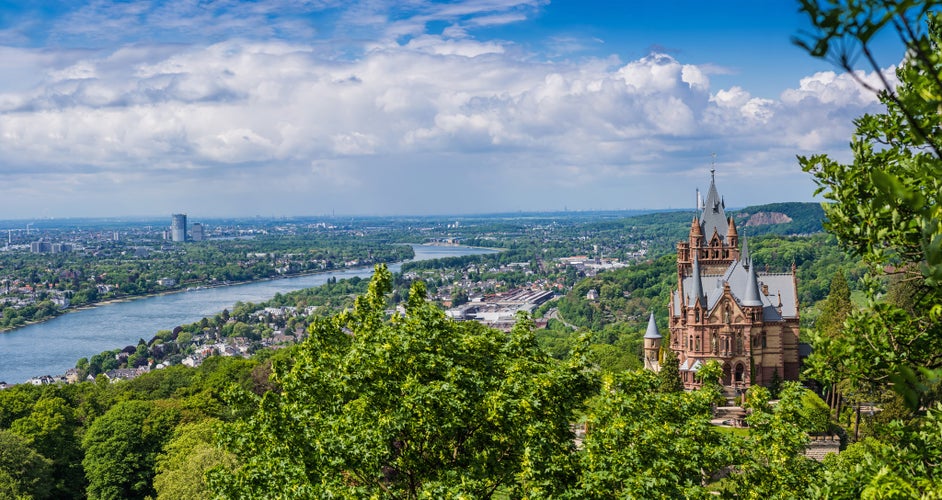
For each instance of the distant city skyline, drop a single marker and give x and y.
(283, 108)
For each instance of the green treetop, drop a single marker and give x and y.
(886, 205)
(411, 406)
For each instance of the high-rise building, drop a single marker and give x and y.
(178, 227)
(197, 234)
(724, 309)
(41, 246)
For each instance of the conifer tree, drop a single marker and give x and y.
(669, 376)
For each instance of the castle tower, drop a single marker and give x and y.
(652, 346)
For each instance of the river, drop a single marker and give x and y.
(52, 347)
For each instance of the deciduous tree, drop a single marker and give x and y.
(121, 446)
(886, 205)
(645, 443)
(23, 472)
(410, 406)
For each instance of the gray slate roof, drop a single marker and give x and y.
(713, 218)
(738, 276)
(744, 253)
(652, 332)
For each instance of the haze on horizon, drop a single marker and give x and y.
(275, 108)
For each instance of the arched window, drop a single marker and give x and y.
(739, 346)
(698, 344)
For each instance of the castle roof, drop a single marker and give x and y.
(744, 254)
(652, 332)
(695, 285)
(690, 365)
(751, 296)
(713, 217)
(778, 304)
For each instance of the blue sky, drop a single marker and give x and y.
(224, 108)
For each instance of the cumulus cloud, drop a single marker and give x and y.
(828, 87)
(290, 124)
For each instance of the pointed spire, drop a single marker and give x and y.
(744, 253)
(695, 228)
(697, 292)
(652, 332)
(751, 297)
(732, 232)
(713, 216)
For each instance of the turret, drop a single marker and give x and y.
(732, 236)
(744, 254)
(752, 298)
(652, 346)
(713, 217)
(697, 287)
(696, 237)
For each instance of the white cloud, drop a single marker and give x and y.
(466, 48)
(293, 125)
(828, 87)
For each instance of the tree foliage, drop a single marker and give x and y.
(23, 472)
(773, 463)
(182, 465)
(646, 443)
(902, 465)
(121, 446)
(886, 205)
(669, 376)
(52, 430)
(410, 406)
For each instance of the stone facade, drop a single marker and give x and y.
(723, 309)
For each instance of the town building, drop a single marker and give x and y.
(41, 246)
(500, 310)
(724, 309)
(196, 233)
(178, 227)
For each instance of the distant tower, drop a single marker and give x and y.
(652, 346)
(197, 233)
(178, 227)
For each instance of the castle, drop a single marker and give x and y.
(724, 309)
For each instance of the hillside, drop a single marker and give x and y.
(626, 296)
(780, 218)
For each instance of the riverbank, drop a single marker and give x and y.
(189, 288)
(54, 346)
